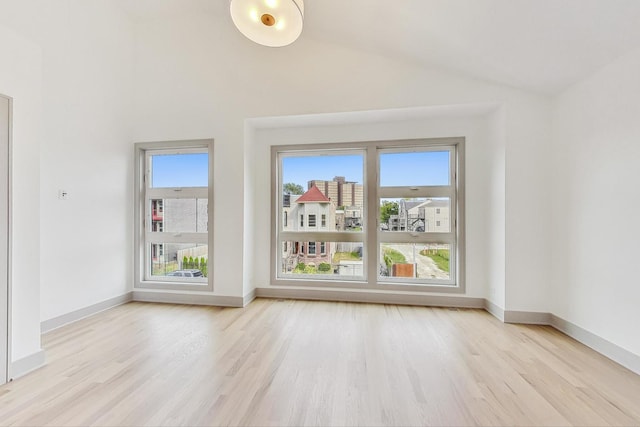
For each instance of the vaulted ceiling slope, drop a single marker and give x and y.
(537, 45)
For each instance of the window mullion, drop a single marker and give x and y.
(372, 212)
(321, 236)
(411, 192)
(160, 237)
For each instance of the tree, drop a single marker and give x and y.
(387, 209)
(291, 188)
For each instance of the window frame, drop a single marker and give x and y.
(421, 191)
(370, 214)
(143, 195)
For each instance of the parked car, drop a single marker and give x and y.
(186, 273)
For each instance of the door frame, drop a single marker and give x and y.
(5, 322)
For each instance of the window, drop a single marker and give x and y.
(286, 214)
(322, 173)
(380, 200)
(173, 181)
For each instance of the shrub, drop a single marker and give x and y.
(324, 267)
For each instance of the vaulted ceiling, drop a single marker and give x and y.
(538, 45)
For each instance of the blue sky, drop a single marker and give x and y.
(299, 170)
(396, 169)
(425, 168)
(180, 170)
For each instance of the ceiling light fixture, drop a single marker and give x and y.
(273, 23)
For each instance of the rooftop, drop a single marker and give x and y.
(313, 195)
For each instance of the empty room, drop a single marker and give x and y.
(319, 212)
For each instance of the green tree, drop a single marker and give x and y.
(291, 188)
(387, 209)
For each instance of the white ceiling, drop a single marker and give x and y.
(538, 45)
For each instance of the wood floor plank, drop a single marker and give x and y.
(283, 362)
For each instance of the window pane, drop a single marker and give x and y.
(179, 260)
(179, 215)
(420, 215)
(415, 260)
(414, 169)
(327, 190)
(179, 170)
(330, 260)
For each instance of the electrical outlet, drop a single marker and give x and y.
(63, 195)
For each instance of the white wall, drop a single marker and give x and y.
(87, 74)
(197, 77)
(528, 261)
(596, 203)
(108, 83)
(21, 79)
(485, 262)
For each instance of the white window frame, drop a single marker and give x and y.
(144, 195)
(423, 191)
(371, 233)
(307, 235)
(312, 224)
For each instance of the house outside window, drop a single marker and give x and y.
(312, 220)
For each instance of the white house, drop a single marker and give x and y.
(311, 211)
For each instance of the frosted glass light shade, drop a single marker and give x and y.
(271, 23)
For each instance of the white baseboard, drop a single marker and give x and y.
(494, 309)
(27, 364)
(614, 352)
(56, 322)
(608, 349)
(527, 317)
(187, 298)
(248, 298)
(377, 298)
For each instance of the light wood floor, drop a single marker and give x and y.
(316, 363)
